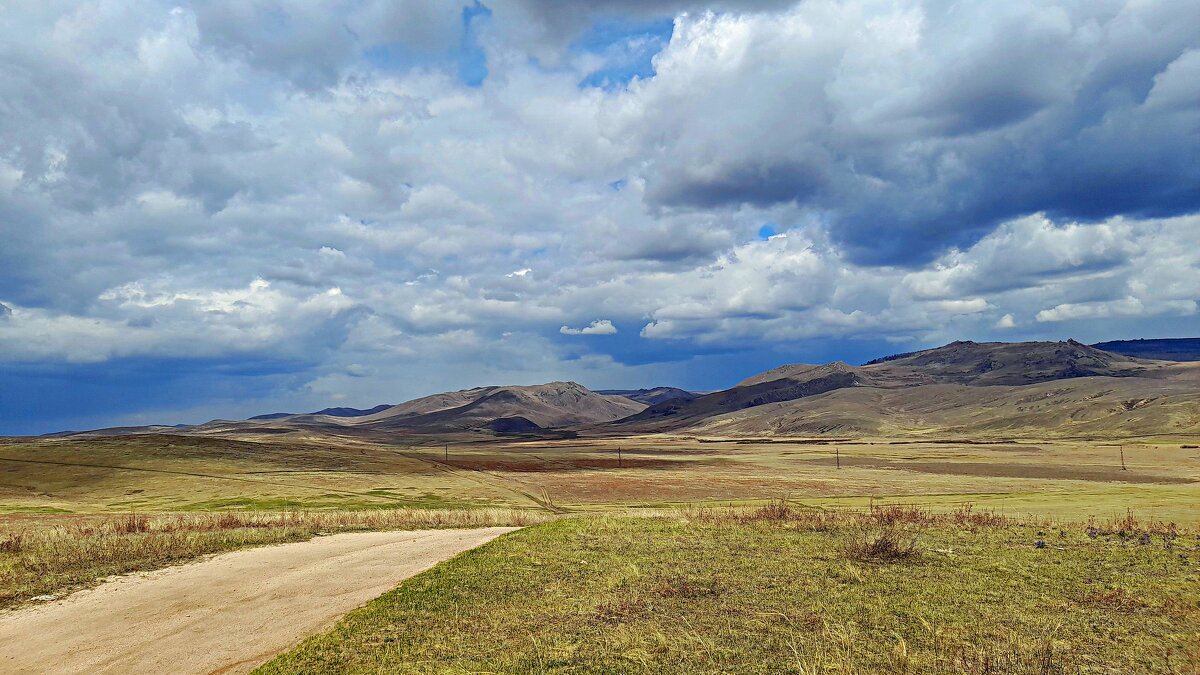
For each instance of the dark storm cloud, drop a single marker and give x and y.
(1077, 110)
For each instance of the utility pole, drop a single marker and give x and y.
(447, 454)
(837, 455)
(1123, 458)
(619, 462)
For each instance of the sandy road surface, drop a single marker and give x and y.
(226, 614)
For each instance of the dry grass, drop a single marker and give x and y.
(40, 556)
(770, 589)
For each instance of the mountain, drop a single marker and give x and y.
(274, 416)
(960, 390)
(783, 384)
(503, 409)
(1165, 349)
(331, 412)
(1013, 363)
(651, 396)
(940, 389)
(352, 412)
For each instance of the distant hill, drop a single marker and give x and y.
(331, 412)
(504, 409)
(352, 412)
(961, 390)
(1165, 349)
(789, 399)
(652, 396)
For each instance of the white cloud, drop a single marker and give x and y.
(156, 159)
(598, 327)
(1123, 307)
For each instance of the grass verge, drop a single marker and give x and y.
(51, 555)
(779, 590)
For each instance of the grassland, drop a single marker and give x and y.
(768, 557)
(783, 590)
(169, 473)
(161, 473)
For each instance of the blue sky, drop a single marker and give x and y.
(228, 208)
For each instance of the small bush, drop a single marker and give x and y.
(132, 524)
(967, 515)
(897, 514)
(888, 545)
(12, 543)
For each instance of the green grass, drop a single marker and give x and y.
(54, 555)
(784, 591)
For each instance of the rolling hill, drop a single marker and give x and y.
(966, 388)
(332, 412)
(963, 389)
(503, 409)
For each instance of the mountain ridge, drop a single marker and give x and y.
(963, 387)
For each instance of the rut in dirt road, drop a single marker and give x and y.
(227, 614)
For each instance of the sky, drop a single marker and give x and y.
(232, 207)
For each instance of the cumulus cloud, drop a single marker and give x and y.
(598, 327)
(916, 126)
(133, 320)
(326, 186)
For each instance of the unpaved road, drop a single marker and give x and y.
(226, 614)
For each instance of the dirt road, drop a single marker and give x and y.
(226, 614)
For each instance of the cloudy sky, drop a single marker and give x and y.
(231, 207)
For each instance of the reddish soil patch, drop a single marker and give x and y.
(1006, 470)
(527, 464)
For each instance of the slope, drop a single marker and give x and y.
(510, 408)
(966, 367)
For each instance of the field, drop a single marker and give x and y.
(665, 552)
(790, 591)
(158, 473)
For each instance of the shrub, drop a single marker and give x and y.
(888, 545)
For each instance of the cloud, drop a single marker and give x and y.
(1123, 307)
(895, 123)
(319, 188)
(133, 320)
(598, 327)
(311, 45)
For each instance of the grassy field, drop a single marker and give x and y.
(774, 555)
(158, 473)
(162, 473)
(781, 590)
(45, 555)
